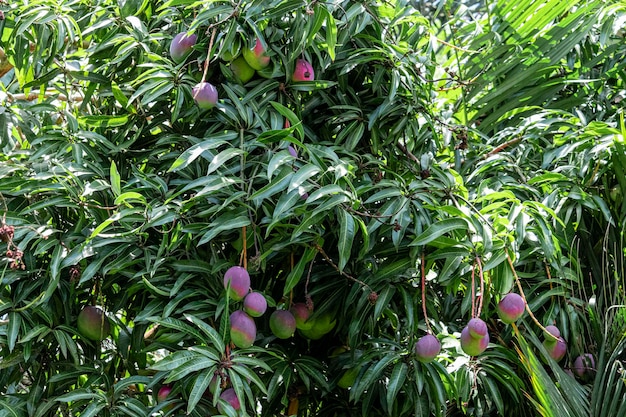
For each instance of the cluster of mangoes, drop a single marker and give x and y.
(252, 60)
(475, 335)
(242, 325)
(283, 322)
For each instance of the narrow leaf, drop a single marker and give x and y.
(438, 229)
(115, 179)
(346, 237)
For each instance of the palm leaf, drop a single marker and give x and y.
(564, 397)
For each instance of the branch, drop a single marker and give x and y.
(47, 94)
(502, 147)
(330, 261)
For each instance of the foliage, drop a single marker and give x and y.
(442, 160)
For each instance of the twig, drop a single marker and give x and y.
(330, 261)
(233, 14)
(208, 54)
(308, 278)
(482, 287)
(245, 247)
(502, 147)
(46, 94)
(455, 47)
(407, 152)
(423, 270)
(473, 292)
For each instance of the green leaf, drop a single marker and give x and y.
(395, 383)
(226, 222)
(373, 373)
(438, 229)
(200, 385)
(175, 360)
(223, 157)
(347, 234)
(191, 154)
(81, 394)
(93, 409)
(129, 196)
(115, 179)
(15, 322)
(291, 116)
(90, 122)
(209, 331)
(302, 175)
(296, 274)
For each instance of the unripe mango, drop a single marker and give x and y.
(93, 323)
(256, 56)
(556, 348)
(554, 331)
(163, 392)
(242, 329)
(162, 395)
(321, 325)
(511, 307)
(301, 313)
(427, 348)
(241, 70)
(348, 378)
(237, 282)
(282, 324)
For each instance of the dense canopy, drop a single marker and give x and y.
(289, 207)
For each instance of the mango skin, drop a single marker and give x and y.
(348, 378)
(256, 57)
(301, 313)
(205, 95)
(282, 324)
(473, 346)
(241, 70)
(242, 329)
(511, 307)
(584, 366)
(237, 282)
(321, 325)
(181, 46)
(556, 348)
(554, 331)
(477, 327)
(255, 304)
(427, 348)
(303, 71)
(93, 324)
(230, 397)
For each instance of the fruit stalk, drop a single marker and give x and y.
(521, 292)
(473, 292)
(482, 286)
(208, 55)
(244, 253)
(423, 271)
